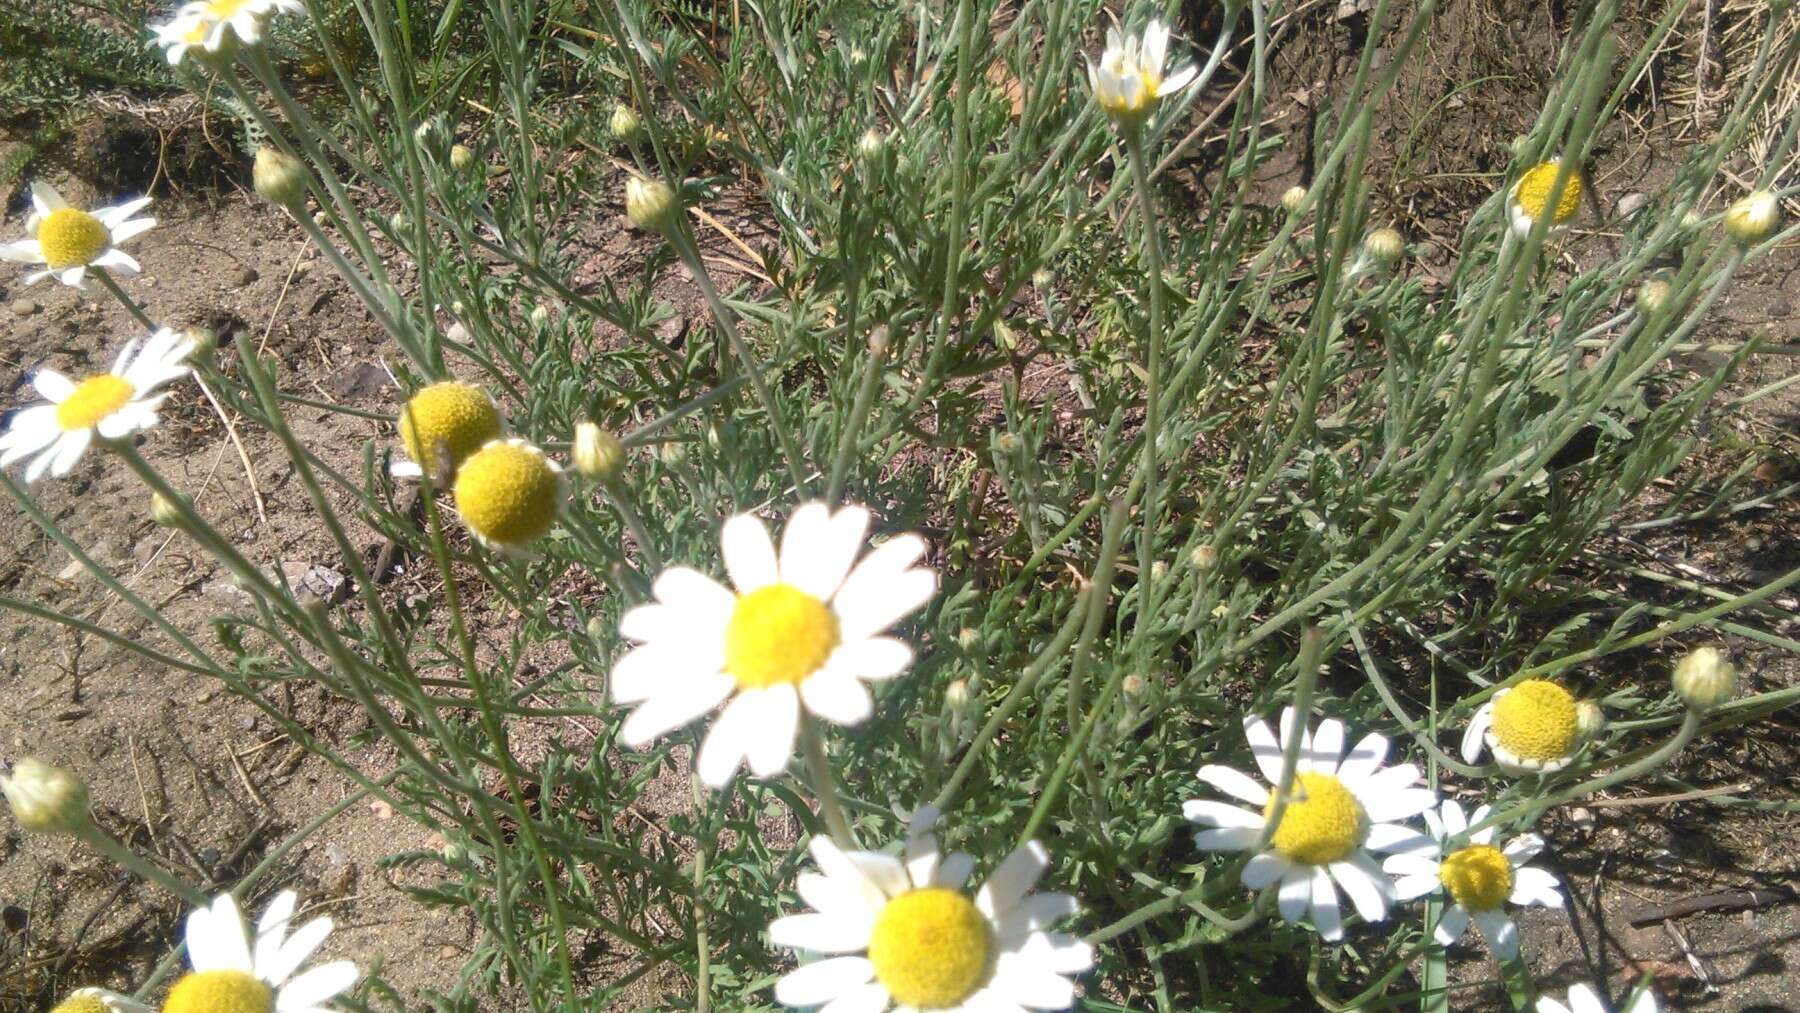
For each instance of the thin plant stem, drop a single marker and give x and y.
(112, 286)
(1153, 355)
(824, 783)
(103, 842)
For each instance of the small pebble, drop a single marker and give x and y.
(246, 275)
(24, 307)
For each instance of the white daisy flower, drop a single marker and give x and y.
(1342, 807)
(1528, 199)
(99, 1000)
(233, 973)
(908, 936)
(1129, 79)
(68, 240)
(214, 24)
(113, 405)
(1583, 999)
(1479, 877)
(804, 629)
(1533, 727)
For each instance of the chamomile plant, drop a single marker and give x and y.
(816, 433)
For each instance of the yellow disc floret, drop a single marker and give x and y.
(508, 493)
(219, 992)
(1323, 821)
(71, 238)
(1533, 192)
(1536, 720)
(457, 417)
(1478, 877)
(86, 1002)
(778, 634)
(930, 948)
(93, 399)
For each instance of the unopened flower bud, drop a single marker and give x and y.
(625, 124)
(45, 798)
(598, 453)
(1159, 570)
(1006, 443)
(1132, 685)
(1692, 219)
(279, 178)
(461, 158)
(1653, 295)
(672, 454)
(202, 342)
(956, 695)
(1704, 679)
(596, 627)
(649, 203)
(1590, 719)
(397, 221)
(871, 144)
(1753, 217)
(1203, 557)
(1293, 198)
(968, 637)
(1385, 246)
(166, 512)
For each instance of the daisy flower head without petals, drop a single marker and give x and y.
(1480, 877)
(1583, 999)
(68, 240)
(236, 972)
(1529, 199)
(215, 26)
(442, 425)
(1533, 727)
(1341, 807)
(99, 1000)
(509, 493)
(112, 405)
(801, 629)
(905, 933)
(1128, 81)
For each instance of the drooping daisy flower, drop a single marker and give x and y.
(508, 493)
(1480, 878)
(214, 25)
(908, 936)
(1583, 999)
(442, 425)
(801, 630)
(99, 1000)
(113, 405)
(1128, 81)
(1531, 728)
(1341, 808)
(68, 240)
(233, 973)
(1531, 195)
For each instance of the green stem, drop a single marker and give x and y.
(102, 842)
(824, 785)
(1153, 354)
(107, 282)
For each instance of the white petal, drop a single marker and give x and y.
(824, 980)
(216, 938)
(1364, 759)
(749, 555)
(875, 578)
(1264, 748)
(1585, 1000)
(1549, 1005)
(1451, 925)
(120, 212)
(69, 451)
(824, 933)
(1363, 882)
(954, 871)
(871, 658)
(1535, 886)
(1234, 783)
(1220, 814)
(271, 928)
(732, 736)
(74, 277)
(1227, 838)
(1012, 879)
(316, 986)
(1393, 837)
(1451, 813)
(53, 385)
(1037, 912)
(1523, 848)
(777, 720)
(1263, 869)
(1413, 864)
(295, 951)
(1328, 746)
(127, 231)
(41, 464)
(674, 707)
(1326, 917)
(1027, 982)
(870, 998)
(24, 251)
(1296, 893)
(836, 698)
(46, 198)
(1501, 931)
(851, 898)
(817, 548)
(1474, 734)
(1155, 46)
(1177, 81)
(689, 589)
(657, 668)
(121, 423)
(1413, 887)
(865, 609)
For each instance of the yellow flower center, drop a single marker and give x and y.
(1478, 877)
(508, 493)
(449, 418)
(930, 948)
(70, 238)
(219, 992)
(223, 9)
(778, 634)
(1536, 720)
(1534, 192)
(1322, 823)
(93, 399)
(82, 1004)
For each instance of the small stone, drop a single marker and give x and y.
(246, 275)
(1632, 203)
(24, 307)
(1781, 309)
(336, 856)
(226, 593)
(73, 714)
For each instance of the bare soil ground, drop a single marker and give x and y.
(185, 772)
